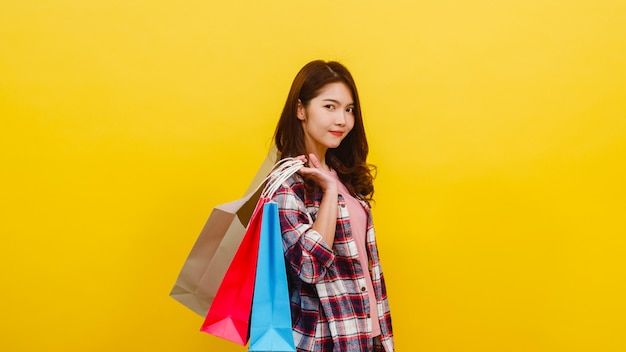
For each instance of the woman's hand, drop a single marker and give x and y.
(319, 173)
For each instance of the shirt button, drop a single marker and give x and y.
(363, 289)
(343, 205)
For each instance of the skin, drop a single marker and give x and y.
(326, 120)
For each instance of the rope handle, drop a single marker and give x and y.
(283, 169)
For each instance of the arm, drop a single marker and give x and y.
(308, 247)
(326, 221)
(306, 251)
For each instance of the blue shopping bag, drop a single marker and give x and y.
(270, 324)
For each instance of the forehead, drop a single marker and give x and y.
(337, 91)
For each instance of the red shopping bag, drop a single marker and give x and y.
(229, 314)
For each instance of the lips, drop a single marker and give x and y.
(337, 133)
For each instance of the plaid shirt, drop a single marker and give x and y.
(329, 300)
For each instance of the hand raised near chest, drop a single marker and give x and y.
(319, 173)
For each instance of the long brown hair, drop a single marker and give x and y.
(349, 159)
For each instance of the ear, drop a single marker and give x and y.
(300, 113)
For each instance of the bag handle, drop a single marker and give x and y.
(283, 169)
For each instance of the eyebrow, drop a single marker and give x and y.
(336, 101)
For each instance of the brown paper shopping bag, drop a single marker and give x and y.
(216, 245)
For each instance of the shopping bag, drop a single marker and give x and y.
(270, 324)
(229, 314)
(216, 245)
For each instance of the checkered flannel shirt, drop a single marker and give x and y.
(329, 300)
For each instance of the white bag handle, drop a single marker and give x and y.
(283, 169)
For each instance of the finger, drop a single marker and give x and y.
(314, 161)
(311, 171)
(306, 170)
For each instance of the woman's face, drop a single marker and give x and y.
(328, 118)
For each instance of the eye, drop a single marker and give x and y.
(350, 110)
(329, 106)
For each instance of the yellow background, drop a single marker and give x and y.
(498, 127)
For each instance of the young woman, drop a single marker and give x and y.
(337, 290)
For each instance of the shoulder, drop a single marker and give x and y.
(293, 181)
(292, 186)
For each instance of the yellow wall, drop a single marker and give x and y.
(499, 130)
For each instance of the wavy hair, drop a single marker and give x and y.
(349, 159)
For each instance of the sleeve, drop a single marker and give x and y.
(305, 250)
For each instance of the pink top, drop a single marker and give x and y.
(358, 225)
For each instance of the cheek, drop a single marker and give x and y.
(350, 123)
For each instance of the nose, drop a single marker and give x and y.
(341, 118)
